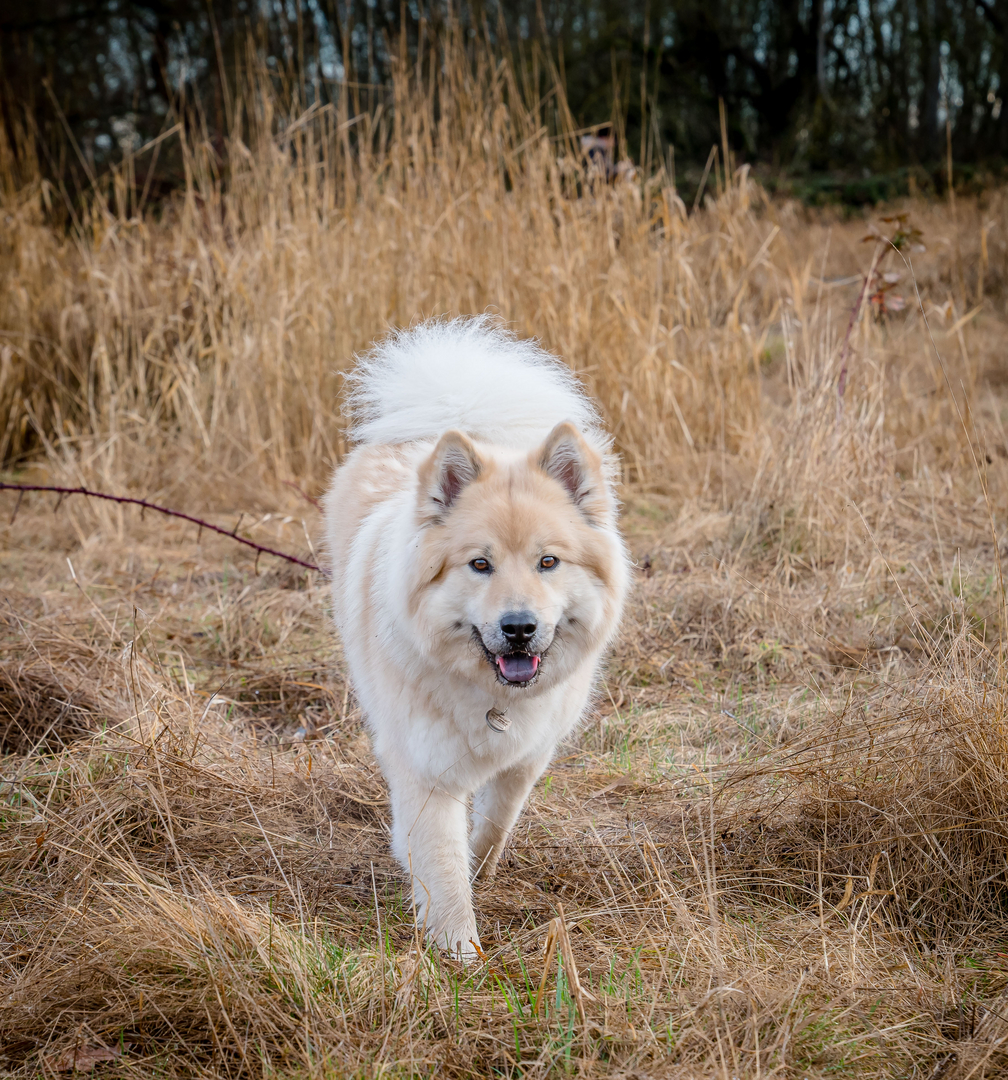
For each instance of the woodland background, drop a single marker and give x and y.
(855, 99)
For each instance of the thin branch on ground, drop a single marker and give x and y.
(261, 549)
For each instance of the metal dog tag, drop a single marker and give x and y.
(497, 721)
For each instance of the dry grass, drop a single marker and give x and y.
(780, 842)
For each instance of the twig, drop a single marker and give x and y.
(703, 179)
(17, 507)
(577, 991)
(304, 494)
(854, 316)
(381, 941)
(551, 944)
(145, 505)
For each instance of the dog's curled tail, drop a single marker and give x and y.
(471, 374)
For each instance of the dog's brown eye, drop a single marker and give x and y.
(481, 566)
(548, 562)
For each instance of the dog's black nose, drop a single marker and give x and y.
(518, 627)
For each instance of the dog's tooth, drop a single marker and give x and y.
(497, 721)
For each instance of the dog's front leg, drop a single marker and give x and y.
(496, 807)
(429, 839)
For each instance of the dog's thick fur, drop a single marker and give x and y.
(477, 569)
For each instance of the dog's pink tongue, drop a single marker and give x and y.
(519, 668)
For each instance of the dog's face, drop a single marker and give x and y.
(520, 570)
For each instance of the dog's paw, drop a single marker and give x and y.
(462, 944)
(486, 868)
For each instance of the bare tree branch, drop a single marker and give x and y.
(145, 505)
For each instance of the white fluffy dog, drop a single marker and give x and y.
(478, 577)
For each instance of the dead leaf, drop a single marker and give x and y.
(847, 894)
(83, 1058)
(616, 785)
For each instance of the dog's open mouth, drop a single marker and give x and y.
(517, 667)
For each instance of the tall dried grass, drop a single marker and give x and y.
(779, 843)
(224, 318)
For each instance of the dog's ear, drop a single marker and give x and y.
(453, 464)
(577, 467)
